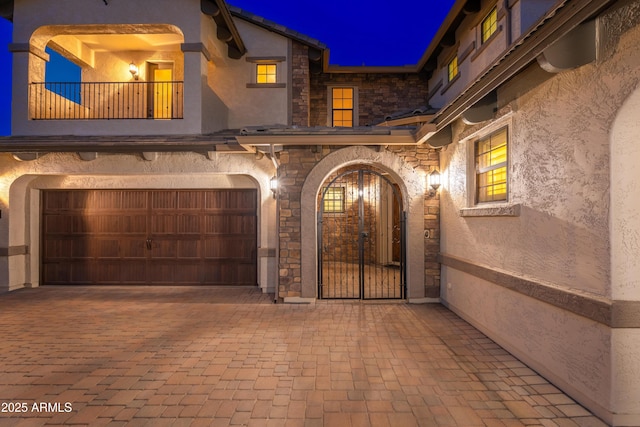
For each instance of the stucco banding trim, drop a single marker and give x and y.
(615, 314)
(14, 250)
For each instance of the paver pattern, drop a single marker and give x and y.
(222, 356)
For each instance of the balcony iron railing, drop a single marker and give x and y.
(106, 100)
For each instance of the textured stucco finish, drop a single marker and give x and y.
(253, 106)
(562, 346)
(573, 170)
(21, 182)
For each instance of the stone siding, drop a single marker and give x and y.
(300, 84)
(378, 95)
(295, 165)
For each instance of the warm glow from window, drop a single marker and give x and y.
(342, 106)
(490, 25)
(266, 73)
(452, 69)
(333, 200)
(491, 167)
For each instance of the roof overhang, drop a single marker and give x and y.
(120, 144)
(226, 28)
(560, 20)
(248, 140)
(6, 9)
(396, 137)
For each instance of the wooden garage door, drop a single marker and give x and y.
(183, 237)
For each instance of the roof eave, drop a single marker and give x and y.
(393, 137)
(6, 9)
(562, 18)
(219, 12)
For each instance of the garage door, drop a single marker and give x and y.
(157, 237)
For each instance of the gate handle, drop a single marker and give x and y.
(149, 244)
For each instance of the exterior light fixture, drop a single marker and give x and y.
(133, 69)
(433, 180)
(273, 185)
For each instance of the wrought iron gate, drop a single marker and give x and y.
(361, 229)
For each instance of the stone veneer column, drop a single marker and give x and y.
(300, 85)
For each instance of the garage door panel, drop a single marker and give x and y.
(230, 224)
(149, 236)
(82, 273)
(246, 275)
(183, 273)
(229, 247)
(130, 271)
(135, 248)
(105, 248)
(176, 223)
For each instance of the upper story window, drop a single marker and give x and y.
(343, 103)
(491, 167)
(452, 69)
(266, 73)
(489, 25)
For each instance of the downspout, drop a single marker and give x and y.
(508, 18)
(272, 155)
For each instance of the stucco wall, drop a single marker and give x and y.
(28, 15)
(249, 105)
(573, 182)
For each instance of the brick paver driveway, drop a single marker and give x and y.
(205, 356)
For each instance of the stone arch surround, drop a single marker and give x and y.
(411, 182)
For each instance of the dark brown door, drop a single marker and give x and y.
(181, 237)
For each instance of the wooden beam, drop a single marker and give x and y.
(224, 34)
(471, 7)
(448, 40)
(209, 7)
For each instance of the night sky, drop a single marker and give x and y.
(357, 32)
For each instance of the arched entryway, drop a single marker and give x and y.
(411, 184)
(361, 228)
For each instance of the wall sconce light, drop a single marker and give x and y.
(133, 69)
(273, 185)
(433, 180)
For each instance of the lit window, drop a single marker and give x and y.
(490, 25)
(491, 167)
(266, 73)
(342, 106)
(333, 200)
(452, 69)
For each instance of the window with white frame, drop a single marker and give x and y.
(491, 168)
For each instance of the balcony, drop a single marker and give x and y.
(106, 100)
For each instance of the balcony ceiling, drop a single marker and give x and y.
(130, 42)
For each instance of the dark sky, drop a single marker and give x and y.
(357, 32)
